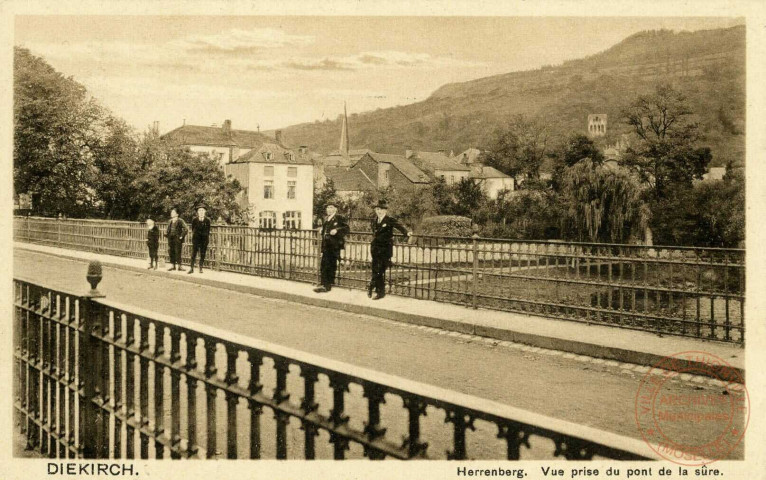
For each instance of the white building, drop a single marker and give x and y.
(278, 186)
(439, 165)
(492, 181)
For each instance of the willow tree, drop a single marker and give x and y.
(602, 203)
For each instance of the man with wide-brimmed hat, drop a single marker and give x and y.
(382, 248)
(333, 235)
(200, 236)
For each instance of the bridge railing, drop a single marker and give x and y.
(688, 291)
(98, 379)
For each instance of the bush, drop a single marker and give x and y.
(446, 226)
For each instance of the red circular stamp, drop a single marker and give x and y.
(686, 423)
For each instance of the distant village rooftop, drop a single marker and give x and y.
(413, 173)
(222, 136)
(274, 153)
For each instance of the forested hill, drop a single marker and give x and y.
(708, 66)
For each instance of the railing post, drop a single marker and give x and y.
(317, 236)
(475, 285)
(290, 256)
(217, 248)
(90, 369)
(58, 232)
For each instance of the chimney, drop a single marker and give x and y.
(278, 136)
(156, 127)
(408, 153)
(226, 127)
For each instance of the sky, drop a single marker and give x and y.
(272, 72)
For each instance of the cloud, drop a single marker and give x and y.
(371, 60)
(323, 64)
(236, 51)
(240, 41)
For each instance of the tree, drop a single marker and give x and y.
(323, 194)
(602, 204)
(666, 152)
(181, 178)
(115, 161)
(579, 147)
(519, 149)
(523, 215)
(55, 136)
(712, 214)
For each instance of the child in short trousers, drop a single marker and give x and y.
(153, 242)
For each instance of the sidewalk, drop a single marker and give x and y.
(609, 343)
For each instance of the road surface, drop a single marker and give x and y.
(597, 395)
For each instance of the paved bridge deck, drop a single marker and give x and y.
(590, 391)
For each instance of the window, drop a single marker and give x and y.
(442, 177)
(268, 189)
(267, 219)
(268, 171)
(291, 190)
(268, 155)
(292, 220)
(386, 174)
(290, 156)
(451, 179)
(292, 172)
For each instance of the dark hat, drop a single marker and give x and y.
(200, 205)
(331, 201)
(382, 204)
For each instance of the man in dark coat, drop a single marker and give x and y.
(200, 236)
(176, 234)
(333, 233)
(382, 248)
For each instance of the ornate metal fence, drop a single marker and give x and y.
(695, 292)
(98, 379)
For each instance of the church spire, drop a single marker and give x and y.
(344, 134)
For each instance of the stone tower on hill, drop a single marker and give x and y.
(597, 124)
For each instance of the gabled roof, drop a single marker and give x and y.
(279, 154)
(408, 169)
(215, 136)
(338, 159)
(483, 172)
(433, 161)
(471, 155)
(349, 180)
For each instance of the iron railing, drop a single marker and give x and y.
(688, 291)
(99, 379)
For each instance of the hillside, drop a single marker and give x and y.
(707, 65)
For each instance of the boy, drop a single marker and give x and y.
(153, 242)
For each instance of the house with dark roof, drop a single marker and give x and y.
(386, 170)
(349, 183)
(223, 143)
(438, 166)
